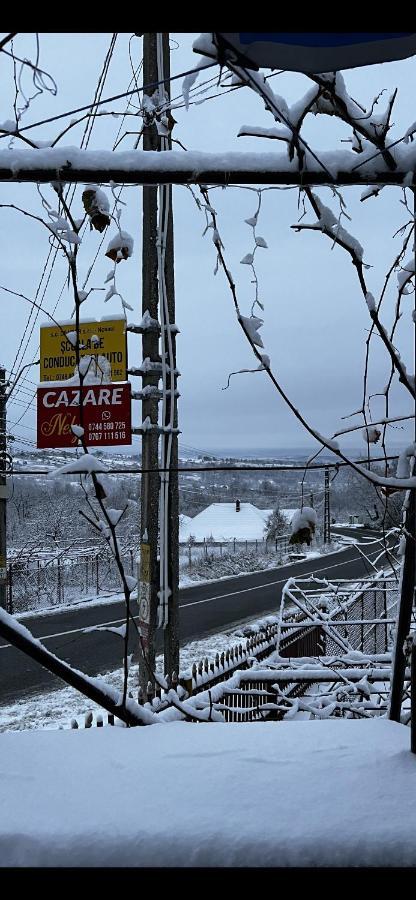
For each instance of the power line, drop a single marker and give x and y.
(72, 112)
(242, 468)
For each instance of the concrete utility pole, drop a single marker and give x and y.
(149, 530)
(3, 491)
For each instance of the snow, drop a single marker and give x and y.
(406, 271)
(114, 515)
(121, 241)
(84, 463)
(329, 442)
(371, 434)
(101, 201)
(221, 522)
(77, 430)
(371, 303)
(10, 125)
(403, 464)
(252, 324)
(131, 162)
(303, 518)
(326, 793)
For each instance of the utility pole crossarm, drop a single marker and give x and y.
(193, 167)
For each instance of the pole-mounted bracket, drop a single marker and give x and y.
(151, 392)
(147, 368)
(150, 427)
(145, 326)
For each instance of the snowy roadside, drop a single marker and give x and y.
(55, 709)
(186, 581)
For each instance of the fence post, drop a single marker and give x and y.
(86, 574)
(59, 581)
(97, 582)
(234, 545)
(362, 626)
(385, 616)
(10, 586)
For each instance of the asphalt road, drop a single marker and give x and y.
(204, 609)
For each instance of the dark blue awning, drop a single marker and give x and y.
(317, 51)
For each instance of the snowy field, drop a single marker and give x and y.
(333, 793)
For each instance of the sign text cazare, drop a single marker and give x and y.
(102, 411)
(102, 396)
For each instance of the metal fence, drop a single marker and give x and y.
(47, 579)
(357, 615)
(194, 552)
(342, 617)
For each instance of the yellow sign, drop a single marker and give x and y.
(145, 563)
(106, 338)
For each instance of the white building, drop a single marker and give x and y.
(226, 522)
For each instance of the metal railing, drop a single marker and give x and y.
(334, 619)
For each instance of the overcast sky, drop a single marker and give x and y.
(315, 320)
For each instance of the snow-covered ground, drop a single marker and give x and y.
(55, 709)
(332, 793)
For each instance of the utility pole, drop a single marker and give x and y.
(149, 530)
(327, 510)
(408, 577)
(171, 637)
(405, 610)
(3, 491)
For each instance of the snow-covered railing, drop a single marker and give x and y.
(205, 673)
(332, 619)
(73, 165)
(355, 615)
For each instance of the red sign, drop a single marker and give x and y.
(106, 412)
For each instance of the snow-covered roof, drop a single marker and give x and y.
(222, 522)
(183, 520)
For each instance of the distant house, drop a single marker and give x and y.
(226, 522)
